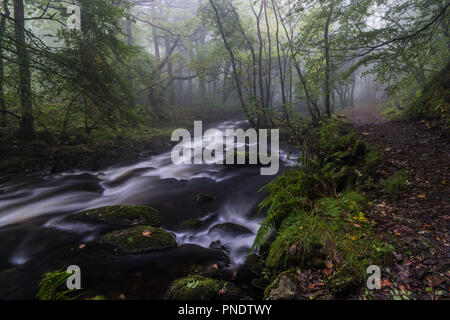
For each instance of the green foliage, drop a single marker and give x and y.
(335, 230)
(318, 214)
(53, 287)
(397, 182)
(432, 101)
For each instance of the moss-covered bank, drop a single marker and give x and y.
(317, 211)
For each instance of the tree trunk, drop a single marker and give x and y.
(170, 90)
(233, 62)
(327, 64)
(27, 126)
(3, 115)
(282, 74)
(154, 94)
(225, 82)
(312, 105)
(129, 30)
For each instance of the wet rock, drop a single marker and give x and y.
(209, 271)
(193, 224)
(230, 228)
(284, 287)
(260, 283)
(140, 239)
(217, 245)
(123, 216)
(203, 198)
(196, 287)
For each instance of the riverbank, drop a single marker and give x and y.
(40, 157)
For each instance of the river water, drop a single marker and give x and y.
(35, 238)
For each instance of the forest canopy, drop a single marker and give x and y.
(77, 67)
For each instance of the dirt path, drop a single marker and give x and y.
(417, 220)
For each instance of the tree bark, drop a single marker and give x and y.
(27, 125)
(3, 113)
(233, 62)
(327, 63)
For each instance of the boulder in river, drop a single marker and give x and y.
(230, 228)
(217, 245)
(193, 224)
(123, 216)
(140, 239)
(196, 287)
(203, 198)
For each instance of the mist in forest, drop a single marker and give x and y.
(349, 95)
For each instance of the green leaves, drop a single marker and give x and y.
(52, 287)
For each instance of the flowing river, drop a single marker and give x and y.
(35, 238)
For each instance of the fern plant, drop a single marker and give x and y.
(52, 287)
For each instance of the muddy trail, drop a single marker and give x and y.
(417, 220)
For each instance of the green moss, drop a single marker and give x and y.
(319, 214)
(196, 287)
(432, 101)
(397, 182)
(300, 242)
(124, 216)
(335, 228)
(140, 239)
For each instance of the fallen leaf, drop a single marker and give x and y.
(402, 287)
(386, 283)
(328, 272)
(434, 280)
(147, 234)
(421, 196)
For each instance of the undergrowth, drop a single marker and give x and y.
(317, 209)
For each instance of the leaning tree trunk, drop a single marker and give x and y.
(27, 126)
(233, 63)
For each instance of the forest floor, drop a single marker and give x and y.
(417, 220)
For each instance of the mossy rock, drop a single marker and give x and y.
(140, 239)
(193, 224)
(123, 216)
(197, 287)
(230, 228)
(203, 198)
(284, 287)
